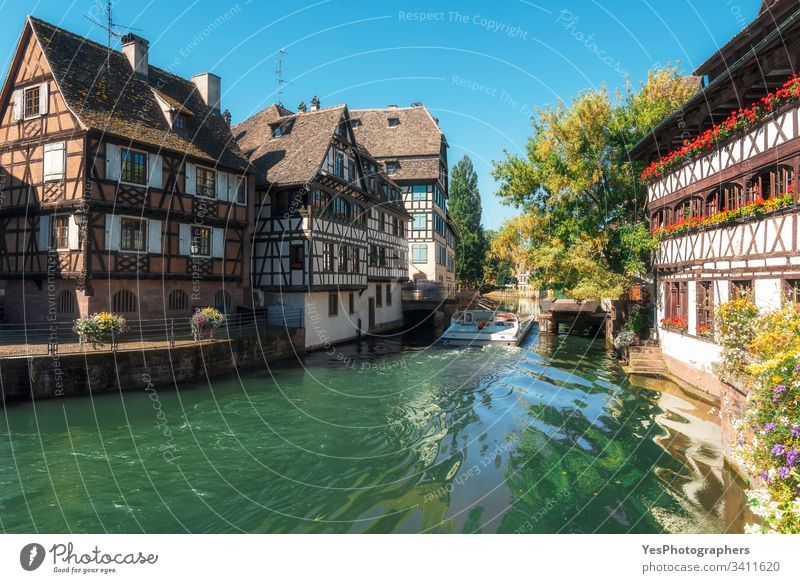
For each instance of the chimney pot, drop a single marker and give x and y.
(315, 103)
(208, 85)
(134, 48)
(302, 107)
(226, 115)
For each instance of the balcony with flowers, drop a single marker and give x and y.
(748, 135)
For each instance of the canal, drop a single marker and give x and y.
(394, 435)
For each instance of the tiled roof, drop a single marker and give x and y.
(119, 103)
(296, 156)
(416, 134)
(416, 169)
(256, 129)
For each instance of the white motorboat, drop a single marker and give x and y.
(479, 327)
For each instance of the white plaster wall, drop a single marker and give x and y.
(767, 293)
(322, 329)
(695, 353)
(387, 314)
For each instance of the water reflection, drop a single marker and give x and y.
(391, 435)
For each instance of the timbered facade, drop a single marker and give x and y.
(738, 201)
(121, 187)
(329, 237)
(412, 150)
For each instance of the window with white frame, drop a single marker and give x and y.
(206, 182)
(31, 101)
(133, 234)
(420, 221)
(201, 241)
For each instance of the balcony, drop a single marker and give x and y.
(738, 154)
(757, 243)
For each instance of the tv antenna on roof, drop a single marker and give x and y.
(109, 27)
(279, 74)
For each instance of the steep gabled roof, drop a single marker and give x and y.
(296, 156)
(416, 133)
(117, 102)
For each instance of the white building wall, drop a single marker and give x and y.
(698, 354)
(767, 294)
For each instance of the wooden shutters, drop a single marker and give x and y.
(154, 236)
(156, 171)
(44, 98)
(74, 236)
(676, 300)
(19, 97)
(184, 239)
(44, 232)
(112, 232)
(705, 304)
(54, 161)
(191, 178)
(218, 242)
(113, 166)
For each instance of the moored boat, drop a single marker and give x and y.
(480, 327)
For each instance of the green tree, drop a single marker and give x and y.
(585, 222)
(464, 206)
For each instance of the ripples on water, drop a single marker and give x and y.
(549, 437)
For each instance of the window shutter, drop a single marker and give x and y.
(18, 99)
(155, 180)
(44, 98)
(184, 239)
(54, 161)
(44, 232)
(74, 234)
(154, 236)
(191, 179)
(218, 242)
(113, 169)
(222, 185)
(112, 233)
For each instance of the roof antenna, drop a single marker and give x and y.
(109, 28)
(279, 74)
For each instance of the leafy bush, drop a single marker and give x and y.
(635, 323)
(776, 332)
(205, 321)
(772, 451)
(736, 328)
(99, 328)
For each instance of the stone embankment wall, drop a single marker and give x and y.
(41, 377)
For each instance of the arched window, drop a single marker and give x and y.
(727, 197)
(688, 208)
(123, 301)
(178, 300)
(222, 301)
(774, 181)
(66, 302)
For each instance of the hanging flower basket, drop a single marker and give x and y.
(205, 321)
(100, 328)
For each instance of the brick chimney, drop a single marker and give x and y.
(208, 85)
(134, 48)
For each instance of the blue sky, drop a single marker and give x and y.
(481, 67)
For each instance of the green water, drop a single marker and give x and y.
(544, 438)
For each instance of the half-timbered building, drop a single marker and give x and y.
(329, 238)
(412, 150)
(122, 188)
(727, 216)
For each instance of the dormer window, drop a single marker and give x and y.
(391, 167)
(355, 122)
(394, 122)
(277, 132)
(180, 122)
